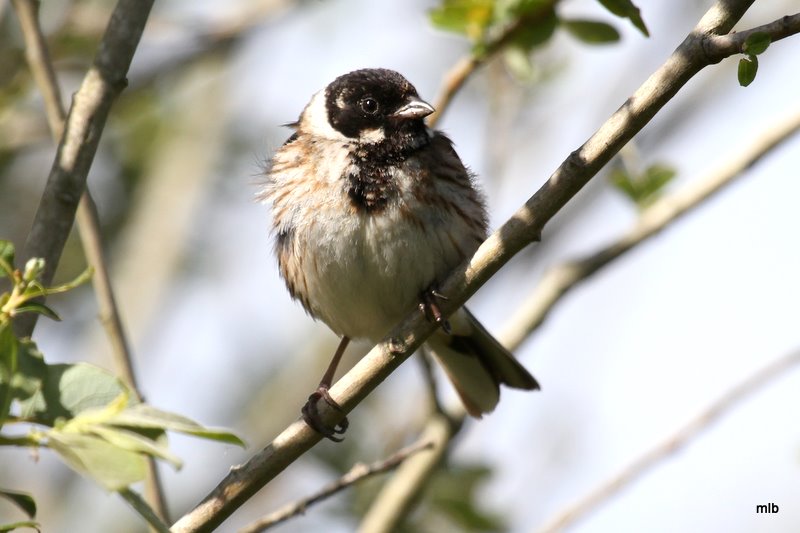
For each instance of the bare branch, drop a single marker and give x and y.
(393, 502)
(38, 57)
(523, 228)
(358, 473)
(672, 444)
(399, 492)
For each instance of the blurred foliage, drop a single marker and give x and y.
(643, 188)
(627, 9)
(25, 503)
(515, 28)
(451, 502)
(82, 412)
(492, 24)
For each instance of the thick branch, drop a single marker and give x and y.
(522, 229)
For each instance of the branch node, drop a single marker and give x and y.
(396, 346)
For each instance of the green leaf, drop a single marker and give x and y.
(530, 36)
(66, 390)
(136, 442)
(6, 257)
(468, 17)
(748, 67)
(19, 525)
(591, 31)
(147, 416)
(23, 500)
(510, 9)
(627, 9)
(26, 380)
(112, 467)
(454, 493)
(756, 43)
(643, 189)
(38, 307)
(9, 361)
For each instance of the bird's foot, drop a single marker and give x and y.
(312, 417)
(430, 308)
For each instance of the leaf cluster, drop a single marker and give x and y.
(85, 414)
(754, 45)
(526, 24)
(645, 187)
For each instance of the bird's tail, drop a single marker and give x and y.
(477, 363)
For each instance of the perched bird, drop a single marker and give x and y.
(370, 210)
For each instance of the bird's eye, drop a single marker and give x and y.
(369, 105)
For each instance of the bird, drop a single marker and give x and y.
(370, 211)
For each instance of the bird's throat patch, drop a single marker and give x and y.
(372, 176)
(370, 189)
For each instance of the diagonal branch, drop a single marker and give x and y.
(400, 492)
(523, 228)
(358, 473)
(394, 500)
(561, 279)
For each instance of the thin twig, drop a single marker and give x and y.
(84, 125)
(400, 492)
(356, 474)
(41, 66)
(523, 228)
(671, 444)
(458, 74)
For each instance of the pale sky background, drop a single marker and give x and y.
(624, 360)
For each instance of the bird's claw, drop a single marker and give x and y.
(312, 417)
(431, 310)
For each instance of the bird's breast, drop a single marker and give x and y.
(358, 257)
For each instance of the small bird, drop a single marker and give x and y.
(370, 211)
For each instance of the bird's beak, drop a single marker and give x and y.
(414, 107)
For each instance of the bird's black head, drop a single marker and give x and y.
(371, 105)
